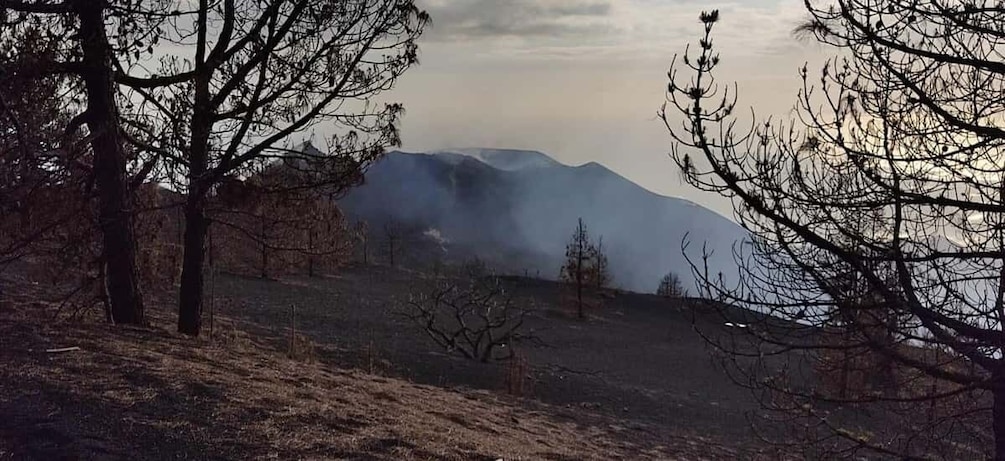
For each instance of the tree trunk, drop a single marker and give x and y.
(114, 210)
(579, 291)
(366, 252)
(196, 224)
(998, 411)
(190, 296)
(579, 298)
(390, 242)
(264, 246)
(579, 273)
(310, 252)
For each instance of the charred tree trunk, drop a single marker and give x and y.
(196, 226)
(190, 296)
(998, 411)
(310, 251)
(114, 210)
(263, 233)
(579, 273)
(366, 252)
(390, 248)
(579, 296)
(196, 223)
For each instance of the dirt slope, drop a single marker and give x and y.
(148, 393)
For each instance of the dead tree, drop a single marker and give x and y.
(260, 75)
(282, 230)
(901, 132)
(392, 237)
(475, 318)
(600, 275)
(580, 261)
(671, 287)
(89, 53)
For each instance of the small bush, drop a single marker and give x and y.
(475, 318)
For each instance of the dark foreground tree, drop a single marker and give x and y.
(261, 74)
(47, 212)
(90, 36)
(32, 119)
(878, 222)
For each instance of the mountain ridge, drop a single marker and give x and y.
(520, 218)
(458, 153)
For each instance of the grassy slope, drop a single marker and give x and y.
(147, 393)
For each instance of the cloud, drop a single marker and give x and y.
(607, 32)
(457, 20)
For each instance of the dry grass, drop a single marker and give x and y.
(148, 393)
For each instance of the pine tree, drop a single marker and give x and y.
(600, 276)
(580, 257)
(671, 287)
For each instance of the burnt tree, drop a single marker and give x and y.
(261, 75)
(902, 132)
(92, 37)
(580, 261)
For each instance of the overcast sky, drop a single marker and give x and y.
(582, 80)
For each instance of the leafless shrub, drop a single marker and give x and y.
(476, 319)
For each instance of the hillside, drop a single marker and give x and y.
(148, 393)
(518, 208)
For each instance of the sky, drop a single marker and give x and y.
(582, 80)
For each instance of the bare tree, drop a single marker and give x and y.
(393, 238)
(284, 230)
(902, 133)
(46, 192)
(261, 73)
(476, 318)
(671, 287)
(90, 39)
(600, 274)
(580, 260)
(35, 181)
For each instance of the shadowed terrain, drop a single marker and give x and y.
(636, 358)
(148, 393)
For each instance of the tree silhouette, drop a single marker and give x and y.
(600, 275)
(87, 42)
(260, 74)
(580, 260)
(671, 287)
(902, 134)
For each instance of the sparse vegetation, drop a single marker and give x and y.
(239, 397)
(601, 274)
(267, 229)
(671, 287)
(150, 147)
(585, 266)
(474, 318)
(393, 237)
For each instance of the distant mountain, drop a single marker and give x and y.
(517, 209)
(503, 159)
